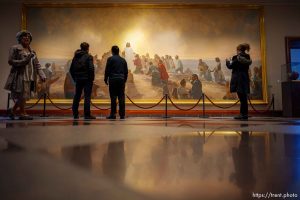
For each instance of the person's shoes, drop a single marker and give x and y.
(241, 117)
(244, 118)
(11, 114)
(75, 117)
(25, 117)
(122, 117)
(238, 117)
(111, 117)
(89, 117)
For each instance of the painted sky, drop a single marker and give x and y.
(190, 33)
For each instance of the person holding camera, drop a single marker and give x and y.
(240, 82)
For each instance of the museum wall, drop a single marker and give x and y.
(282, 18)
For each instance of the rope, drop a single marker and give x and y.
(99, 107)
(183, 108)
(29, 107)
(58, 106)
(261, 112)
(222, 107)
(142, 107)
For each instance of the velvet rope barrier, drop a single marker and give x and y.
(142, 107)
(264, 111)
(183, 108)
(57, 105)
(99, 107)
(31, 106)
(222, 107)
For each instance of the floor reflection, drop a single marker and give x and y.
(243, 175)
(233, 163)
(6, 146)
(114, 162)
(193, 165)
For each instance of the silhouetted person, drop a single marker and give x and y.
(116, 73)
(83, 73)
(240, 82)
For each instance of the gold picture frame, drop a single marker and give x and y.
(258, 9)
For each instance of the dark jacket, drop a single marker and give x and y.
(116, 69)
(239, 65)
(196, 91)
(82, 66)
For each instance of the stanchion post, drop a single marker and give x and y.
(44, 110)
(203, 105)
(273, 105)
(166, 106)
(8, 101)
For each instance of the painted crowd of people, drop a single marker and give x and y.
(119, 68)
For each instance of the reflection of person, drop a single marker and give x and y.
(129, 56)
(240, 82)
(81, 155)
(83, 73)
(196, 91)
(114, 163)
(23, 74)
(243, 164)
(116, 73)
(178, 65)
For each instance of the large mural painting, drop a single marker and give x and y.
(187, 39)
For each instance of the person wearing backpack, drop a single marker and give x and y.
(82, 71)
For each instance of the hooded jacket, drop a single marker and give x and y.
(82, 66)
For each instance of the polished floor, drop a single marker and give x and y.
(149, 158)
